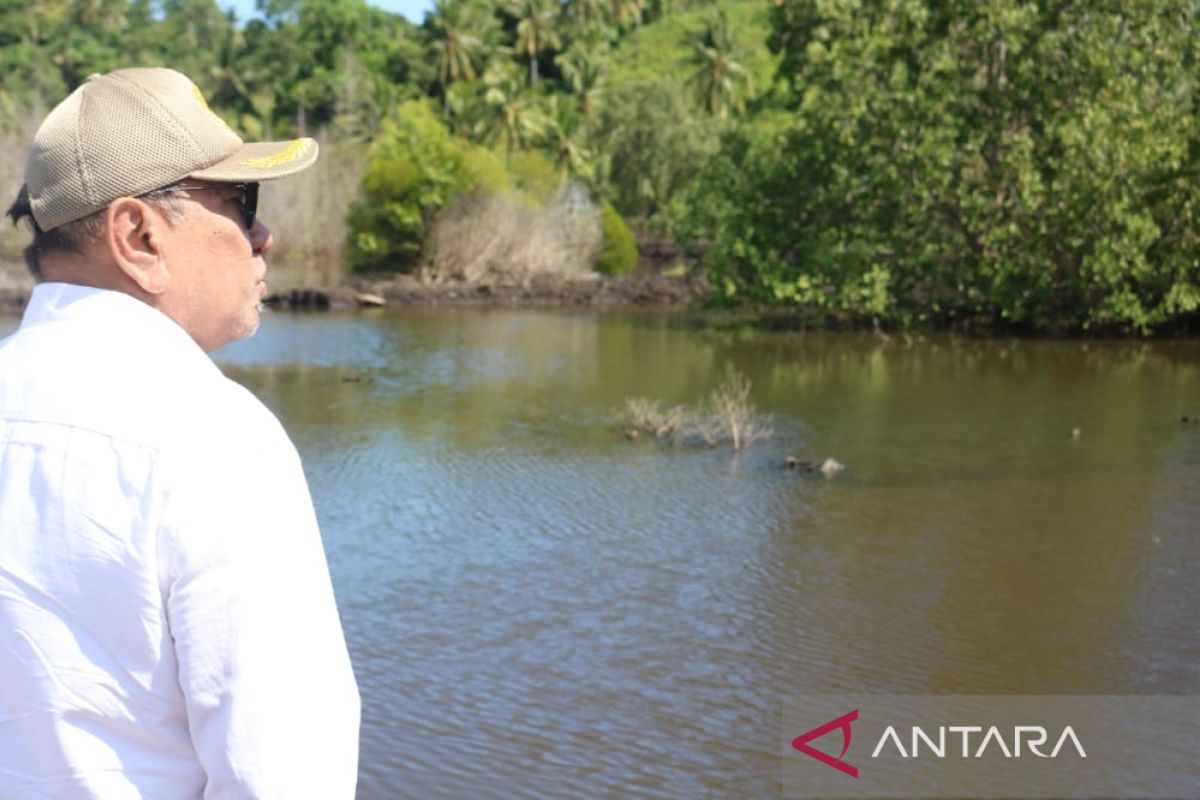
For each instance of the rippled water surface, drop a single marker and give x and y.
(537, 607)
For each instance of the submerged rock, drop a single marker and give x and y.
(830, 466)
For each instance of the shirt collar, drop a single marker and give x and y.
(116, 312)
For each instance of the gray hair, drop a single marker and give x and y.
(76, 236)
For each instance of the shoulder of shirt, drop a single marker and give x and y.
(121, 371)
(239, 412)
(211, 412)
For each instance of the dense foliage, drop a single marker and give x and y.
(1033, 163)
(1029, 164)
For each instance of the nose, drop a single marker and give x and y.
(260, 238)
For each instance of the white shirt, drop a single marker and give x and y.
(167, 622)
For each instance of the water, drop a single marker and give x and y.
(537, 607)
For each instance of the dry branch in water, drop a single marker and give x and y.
(730, 415)
(646, 416)
(726, 416)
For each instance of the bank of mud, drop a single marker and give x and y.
(542, 292)
(408, 292)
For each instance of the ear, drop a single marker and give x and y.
(135, 235)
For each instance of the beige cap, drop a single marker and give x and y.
(135, 130)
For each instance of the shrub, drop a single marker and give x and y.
(618, 255)
(414, 170)
(510, 239)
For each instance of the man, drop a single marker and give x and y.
(167, 622)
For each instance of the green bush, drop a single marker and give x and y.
(1023, 165)
(618, 255)
(415, 168)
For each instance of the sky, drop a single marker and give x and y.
(414, 10)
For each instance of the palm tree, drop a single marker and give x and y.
(560, 136)
(457, 41)
(720, 81)
(584, 68)
(624, 10)
(536, 30)
(586, 11)
(516, 119)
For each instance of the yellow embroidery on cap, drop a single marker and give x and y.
(200, 98)
(296, 150)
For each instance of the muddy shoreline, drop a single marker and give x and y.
(407, 292)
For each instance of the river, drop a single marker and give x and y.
(538, 607)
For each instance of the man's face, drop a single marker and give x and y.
(217, 268)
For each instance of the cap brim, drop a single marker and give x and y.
(262, 161)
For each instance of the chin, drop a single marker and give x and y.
(251, 328)
(235, 333)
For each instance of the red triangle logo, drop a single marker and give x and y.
(801, 743)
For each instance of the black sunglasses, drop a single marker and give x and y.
(249, 196)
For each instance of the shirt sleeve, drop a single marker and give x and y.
(272, 705)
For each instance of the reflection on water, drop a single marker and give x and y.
(538, 608)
